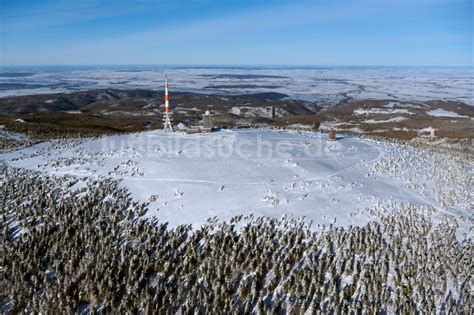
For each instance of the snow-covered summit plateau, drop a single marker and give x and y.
(187, 179)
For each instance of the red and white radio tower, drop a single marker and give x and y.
(166, 117)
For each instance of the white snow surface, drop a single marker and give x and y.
(382, 121)
(252, 111)
(236, 172)
(439, 112)
(369, 111)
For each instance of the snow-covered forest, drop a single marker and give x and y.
(93, 250)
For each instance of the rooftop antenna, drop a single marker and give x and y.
(166, 116)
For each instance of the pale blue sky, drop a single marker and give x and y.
(244, 32)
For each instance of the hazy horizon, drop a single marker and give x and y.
(239, 65)
(313, 83)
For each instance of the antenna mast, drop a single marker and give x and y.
(166, 115)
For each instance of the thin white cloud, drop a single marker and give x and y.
(62, 12)
(247, 24)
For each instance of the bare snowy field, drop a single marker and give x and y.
(323, 84)
(187, 179)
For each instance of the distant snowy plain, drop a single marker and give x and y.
(326, 85)
(188, 179)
